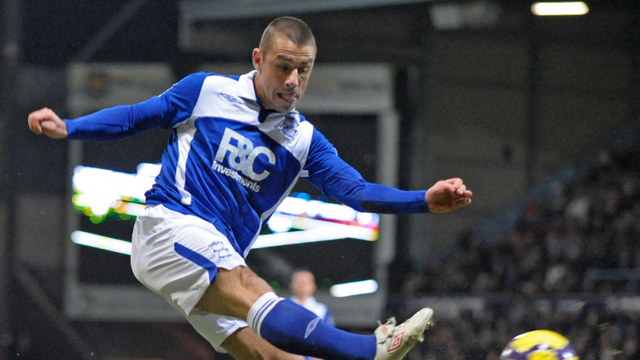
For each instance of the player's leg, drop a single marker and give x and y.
(289, 326)
(231, 335)
(195, 268)
(247, 345)
(233, 292)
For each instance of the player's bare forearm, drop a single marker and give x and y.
(447, 195)
(45, 121)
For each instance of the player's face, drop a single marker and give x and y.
(283, 73)
(303, 284)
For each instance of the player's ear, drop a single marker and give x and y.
(257, 59)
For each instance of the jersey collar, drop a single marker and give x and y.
(245, 86)
(247, 91)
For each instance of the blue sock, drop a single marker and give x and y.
(297, 330)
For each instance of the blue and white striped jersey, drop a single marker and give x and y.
(231, 162)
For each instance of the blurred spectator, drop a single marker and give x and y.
(303, 286)
(591, 222)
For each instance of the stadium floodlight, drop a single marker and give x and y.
(559, 8)
(101, 242)
(354, 288)
(327, 232)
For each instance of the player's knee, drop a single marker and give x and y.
(233, 292)
(253, 283)
(241, 285)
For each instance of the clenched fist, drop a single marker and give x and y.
(45, 121)
(447, 195)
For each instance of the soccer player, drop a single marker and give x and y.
(237, 149)
(303, 286)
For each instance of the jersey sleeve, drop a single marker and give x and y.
(163, 111)
(339, 180)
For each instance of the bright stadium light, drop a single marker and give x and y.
(101, 242)
(315, 235)
(559, 8)
(318, 234)
(99, 193)
(354, 288)
(279, 223)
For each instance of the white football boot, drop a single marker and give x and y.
(394, 342)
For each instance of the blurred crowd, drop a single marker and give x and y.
(594, 334)
(592, 222)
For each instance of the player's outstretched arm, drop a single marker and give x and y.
(45, 121)
(447, 195)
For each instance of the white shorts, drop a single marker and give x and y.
(177, 256)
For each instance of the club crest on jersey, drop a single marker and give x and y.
(288, 127)
(241, 158)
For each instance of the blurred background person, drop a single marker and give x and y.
(303, 286)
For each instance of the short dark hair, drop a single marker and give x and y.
(293, 28)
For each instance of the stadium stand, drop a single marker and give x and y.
(581, 238)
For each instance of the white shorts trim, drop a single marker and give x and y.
(177, 256)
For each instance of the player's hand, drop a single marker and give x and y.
(45, 121)
(447, 195)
